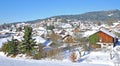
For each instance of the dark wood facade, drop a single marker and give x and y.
(105, 38)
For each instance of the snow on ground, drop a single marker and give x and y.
(116, 55)
(92, 59)
(97, 58)
(5, 61)
(3, 40)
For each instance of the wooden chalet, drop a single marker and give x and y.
(76, 30)
(103, 37)
(63, 32)
(117, 27)
(68, 39)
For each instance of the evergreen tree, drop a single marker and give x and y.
(51, 27)
(39, 53)
(10, 48)
(27, 46)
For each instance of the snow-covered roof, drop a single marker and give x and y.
(41, 28)
(107, 32)
(41, 40)
(110, 14)
(47, 43)
(88, 33)
(66, 26)
(4, 31)
(116, 23)
(41, 32)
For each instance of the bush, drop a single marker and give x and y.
(73, 57)
(38, 54)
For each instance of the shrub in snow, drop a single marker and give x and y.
(39, 53)
(73, 57)
(10, 48)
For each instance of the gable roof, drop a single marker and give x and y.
(107, 32)
(41, 40)
(89, 33)
(47, 42)
(65, 36)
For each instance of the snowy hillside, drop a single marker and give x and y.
(97, 58)
(93, 59)
(5, 61)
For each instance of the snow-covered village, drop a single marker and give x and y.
(63, 43)
(59, 33)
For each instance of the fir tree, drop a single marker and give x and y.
(10, 48)
(27, 46)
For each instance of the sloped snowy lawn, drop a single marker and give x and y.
(97, 58)
(92, 59)
(5, 61)
(116, 55)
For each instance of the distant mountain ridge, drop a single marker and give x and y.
(89, 16)
(97, 15)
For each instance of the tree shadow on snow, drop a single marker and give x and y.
(82, 59)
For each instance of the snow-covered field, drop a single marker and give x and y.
(98, 58)
(5, 61)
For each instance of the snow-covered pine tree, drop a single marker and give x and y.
(27, 46)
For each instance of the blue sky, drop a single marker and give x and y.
(25, 10)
